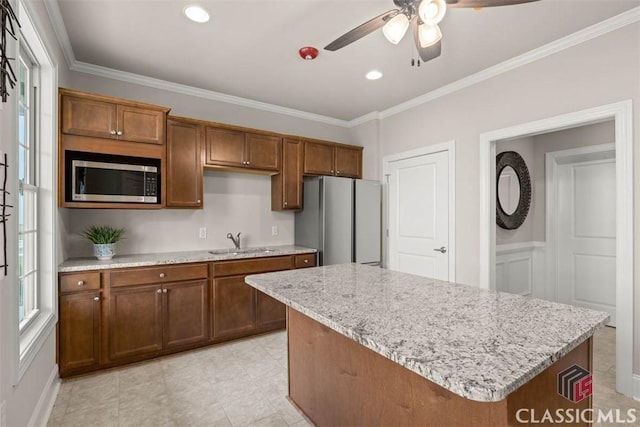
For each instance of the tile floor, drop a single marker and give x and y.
(236, 384)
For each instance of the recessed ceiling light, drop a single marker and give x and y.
(374, 75)
(196, 13)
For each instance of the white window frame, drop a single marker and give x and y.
(28, 342)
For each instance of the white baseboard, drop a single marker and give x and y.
(636, 387)
(47, 399)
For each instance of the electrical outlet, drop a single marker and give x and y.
(202, 233)
(274, 230)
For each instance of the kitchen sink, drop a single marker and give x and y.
(241, 251)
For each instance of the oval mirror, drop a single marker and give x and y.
(513, 190)
(508, 190)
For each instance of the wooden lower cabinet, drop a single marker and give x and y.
(115, 317)
(135, 321)
(185, 313)
(233, 307)
(79, 331)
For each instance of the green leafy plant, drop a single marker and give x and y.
(103, 234)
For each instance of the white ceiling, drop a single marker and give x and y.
(249, 47)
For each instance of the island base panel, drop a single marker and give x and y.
(336, 381)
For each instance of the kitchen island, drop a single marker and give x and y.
(369, 346)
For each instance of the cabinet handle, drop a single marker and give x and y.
(331, 170)
(306, 261)
(80, 282)
(119, 132)
(199, 201)
(285, 203)
(338, 172)
(159, 291)
(112, 132)
(96, 298)
(161, 275)
(164, 291)
(248, 162)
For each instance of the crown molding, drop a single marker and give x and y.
(614, 23)
(139, 79)
(53, 10)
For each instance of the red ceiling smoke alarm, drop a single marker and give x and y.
(308, 53)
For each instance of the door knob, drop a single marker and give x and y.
(442, 250)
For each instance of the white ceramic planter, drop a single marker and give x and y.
(104, 251)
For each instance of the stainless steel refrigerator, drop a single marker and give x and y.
(341, 219)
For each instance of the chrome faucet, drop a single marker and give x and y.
(235, 240)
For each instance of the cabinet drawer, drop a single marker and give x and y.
(305, 260)
(163, 274)
(79, 282)
(252, 266)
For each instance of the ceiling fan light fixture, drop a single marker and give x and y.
(395, 29)
(432, 11)
(429, 35)
(196, 13)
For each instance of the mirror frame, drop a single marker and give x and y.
(515, 220)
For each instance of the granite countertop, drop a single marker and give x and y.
(479, 344)
(142, 260)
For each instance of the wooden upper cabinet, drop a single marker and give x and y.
(225, 147)
(286, 187)
(326, 158)
(184, 165)
(98, 116)
(89, 117)
(262, 151)
(237, 149)
(318, 158)
(348, 161)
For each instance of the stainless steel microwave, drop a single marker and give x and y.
(112, 179)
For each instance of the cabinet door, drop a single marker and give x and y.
(135, 321)
(270, 313)
(140, 125)
(348, 162)
(184, 165)
(224, 147)
(286, 187)
(185, 313)
(88, 117)
(318, 158)
(79, 331)
(234, 307)
(263, 152)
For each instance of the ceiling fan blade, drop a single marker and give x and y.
(361, 31)
(485, 3)
(426, 53)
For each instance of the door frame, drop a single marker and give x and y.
(622, 113)
(552, 159)
(450, 147)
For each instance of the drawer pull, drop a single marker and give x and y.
(161, 275)
(80, 282)
(96, 298)
(306, 261)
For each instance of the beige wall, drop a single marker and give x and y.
(568, 81)
(533, 150)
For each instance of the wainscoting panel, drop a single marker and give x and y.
(520, 269)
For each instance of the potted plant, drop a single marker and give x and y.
(104, 238)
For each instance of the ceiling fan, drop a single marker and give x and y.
(422, 15)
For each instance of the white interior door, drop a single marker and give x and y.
(586, 239)
(418, 193)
